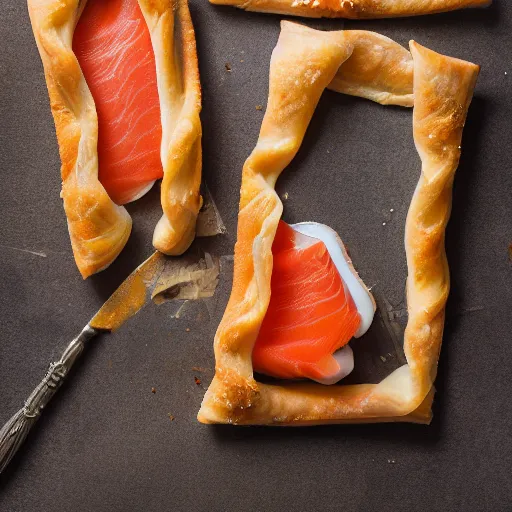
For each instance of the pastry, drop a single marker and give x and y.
(126, 113)
(353, 9)
(378, 69)
(303, 64)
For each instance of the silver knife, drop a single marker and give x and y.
(159, 278)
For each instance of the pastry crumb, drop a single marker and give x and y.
(391, 210)
(153, 390)
(187, 329)
(228, 67)
(259, 107)
(383, 359)
(197, 381)
(383, 223)
(171, 417)
(391, 461)
(241, 60)
(285, 196)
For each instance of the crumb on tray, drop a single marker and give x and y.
(153, 390)
(228, 67)
(197, 380)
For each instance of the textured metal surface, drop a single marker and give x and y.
(15, 431)
(108, 443)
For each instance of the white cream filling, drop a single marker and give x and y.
(360, 295)
(143, 191)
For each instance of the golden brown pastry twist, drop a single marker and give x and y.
(179, 90)
(303, 64)
(98, 227)
(353, 9)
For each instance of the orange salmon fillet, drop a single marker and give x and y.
(311, 312)
(113, 46)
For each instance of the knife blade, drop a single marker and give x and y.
(131, 296)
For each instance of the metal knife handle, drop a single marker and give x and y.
(14, 432)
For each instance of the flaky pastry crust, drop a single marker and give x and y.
(179, 89)
(353, 9)
(303, 64)
(98, 227)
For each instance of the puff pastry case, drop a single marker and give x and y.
(281, 349)
(123, 81)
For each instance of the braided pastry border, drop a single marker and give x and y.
(303, 64)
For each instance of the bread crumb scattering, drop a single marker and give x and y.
(228, 67)
(197, 381)
(153, 390)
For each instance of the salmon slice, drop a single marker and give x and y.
(113, 46)
(311, 313)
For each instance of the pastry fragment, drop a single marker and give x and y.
(98, 227)
(304, 63)
(353, 9)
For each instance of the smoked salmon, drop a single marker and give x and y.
(311, 313)
(113, 46)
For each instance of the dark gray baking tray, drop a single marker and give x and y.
(107, 443)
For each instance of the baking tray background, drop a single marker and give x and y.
(106, 442)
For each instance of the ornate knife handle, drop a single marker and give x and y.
(14, 432)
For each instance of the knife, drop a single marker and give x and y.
(159, 278)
